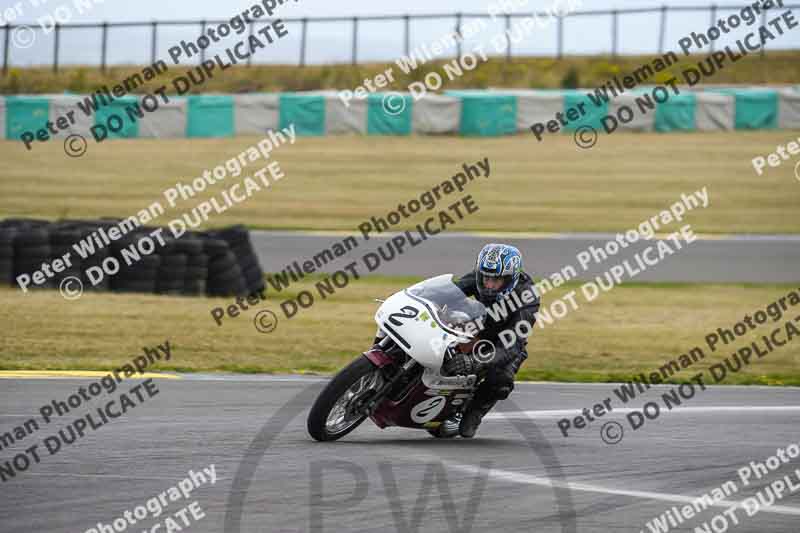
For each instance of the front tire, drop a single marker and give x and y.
(331, 417)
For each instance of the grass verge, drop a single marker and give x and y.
(336, 183)
(630, 330)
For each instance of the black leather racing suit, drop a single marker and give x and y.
(501, 370)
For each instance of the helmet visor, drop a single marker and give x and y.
(492, 286)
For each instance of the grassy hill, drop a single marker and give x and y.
(777, 67)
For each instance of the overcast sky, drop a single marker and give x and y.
(332, 42)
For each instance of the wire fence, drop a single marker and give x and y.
(354, 22)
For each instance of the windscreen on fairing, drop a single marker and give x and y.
(450, 306)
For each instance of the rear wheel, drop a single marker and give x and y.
(336, 412)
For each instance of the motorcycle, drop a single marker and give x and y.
(398, 382)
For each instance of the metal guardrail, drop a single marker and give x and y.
(615, 15)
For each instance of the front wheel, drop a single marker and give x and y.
(335, 413)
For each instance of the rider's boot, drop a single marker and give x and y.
(473, 416)
(448, 428)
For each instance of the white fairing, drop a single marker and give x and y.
(420, 320)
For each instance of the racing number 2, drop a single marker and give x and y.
(394, 320)
(410, 312)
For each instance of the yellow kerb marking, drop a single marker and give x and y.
(37, 374)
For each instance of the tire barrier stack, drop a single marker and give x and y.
(215, 263)
(238, 241)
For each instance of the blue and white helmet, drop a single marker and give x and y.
(497, 261)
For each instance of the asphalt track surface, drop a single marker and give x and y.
(518, 474)
(733, 258)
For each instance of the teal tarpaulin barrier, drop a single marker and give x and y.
(389, 115)
(467, 112)
(24, 113)
(677, 114)
(210, 116)
(130, 119)
(756, 109)
(592, 114)
(486, 114)
(306, 112)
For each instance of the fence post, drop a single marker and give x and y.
(407, 34)
(663, 32)
(250, 57)
(202, 50)
(458, 31)
(56, 36)
(104, 47)
(303, 36)
(153, 42)
(5, 49)
(508, 37)
(713, 21)
(560, 37)
(614, 32)
(355, 40)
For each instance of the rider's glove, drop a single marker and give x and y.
(460, 364)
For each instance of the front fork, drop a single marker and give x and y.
(382, 360)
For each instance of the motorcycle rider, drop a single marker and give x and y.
(498, 272)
